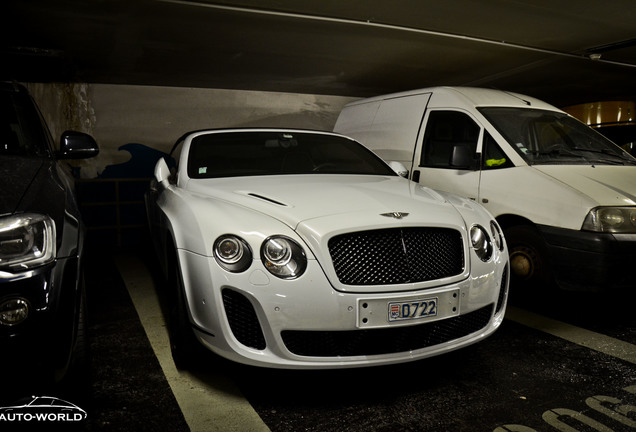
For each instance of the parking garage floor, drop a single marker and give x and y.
(558, 363)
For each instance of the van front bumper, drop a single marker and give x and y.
(588, 261)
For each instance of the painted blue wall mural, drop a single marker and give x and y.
(113, 203)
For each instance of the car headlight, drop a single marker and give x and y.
(232, 253)
(26, 241)
(497, 235)
(611, 219)
(283, 257)
(481, 242)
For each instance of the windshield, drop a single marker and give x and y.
(230, 154)
(21, 131)
(549, 137)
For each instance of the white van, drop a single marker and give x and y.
(564, 195)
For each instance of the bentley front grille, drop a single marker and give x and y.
(397, 255)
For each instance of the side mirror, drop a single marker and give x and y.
(462, 157)
(399, 169)
(162, 172)
(77, 145)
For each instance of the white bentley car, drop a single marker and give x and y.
(303, 249)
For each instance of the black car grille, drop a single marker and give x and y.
(243, 320)
(386, 340)
(397, 255)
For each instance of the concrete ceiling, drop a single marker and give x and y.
(545, 48)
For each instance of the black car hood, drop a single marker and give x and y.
(17, 175)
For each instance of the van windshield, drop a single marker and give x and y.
(549, 137)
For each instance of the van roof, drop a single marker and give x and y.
(470, 95)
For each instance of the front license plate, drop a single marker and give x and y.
(383, 311)
(411, 310)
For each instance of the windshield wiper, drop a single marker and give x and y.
(608, 152)
(556, 152)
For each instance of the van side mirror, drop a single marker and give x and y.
(77, 145)
(462, 157)
(399, 169)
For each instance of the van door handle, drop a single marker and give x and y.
(416, 176)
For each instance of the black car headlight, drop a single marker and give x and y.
(26, 241)
(611, 219)
(283, 257)
(481, 242)
(232, 253)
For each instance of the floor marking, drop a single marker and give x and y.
(589, 339)
(209, 402)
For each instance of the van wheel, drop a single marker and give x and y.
(528, 258)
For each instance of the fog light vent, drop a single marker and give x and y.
(14, 311)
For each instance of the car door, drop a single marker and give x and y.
(445, 131)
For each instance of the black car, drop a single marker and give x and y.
(42, 298)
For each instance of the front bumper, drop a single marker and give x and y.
(42, 343)
(587, 261)
(258, 319)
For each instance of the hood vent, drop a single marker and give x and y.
(267, 199)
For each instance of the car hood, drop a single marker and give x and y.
(606, 185)
(18, 174)
(331, 202)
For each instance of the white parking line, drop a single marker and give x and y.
(589, 339)
(209, 402)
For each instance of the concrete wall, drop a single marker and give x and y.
(116, 115)
(136, 125)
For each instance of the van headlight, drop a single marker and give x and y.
(26, 241)
(283, 257)
(611, 219)
(481, 242)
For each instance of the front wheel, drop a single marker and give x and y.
(528, 258)
(183, 344)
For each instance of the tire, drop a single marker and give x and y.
(74, 375)
(529, 259)
(183, 344)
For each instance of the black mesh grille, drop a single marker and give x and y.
(397, 255)
(385, 341)
(243, 320)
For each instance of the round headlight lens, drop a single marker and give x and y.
(283, 257)
(481, 242)
(229, 250)
(232, 253)
(278, 251)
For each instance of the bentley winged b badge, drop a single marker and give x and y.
(396, 215)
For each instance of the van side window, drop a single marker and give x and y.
(493, 156)
(445, 130)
